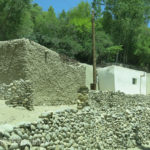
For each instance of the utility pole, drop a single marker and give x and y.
(93, 86)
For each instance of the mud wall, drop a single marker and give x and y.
(54, 82)
(11, 60)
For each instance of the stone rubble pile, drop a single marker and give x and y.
(19, 93)
(105, 100)
(112, 121)
(124, 119)
(68, 129)
(82, 100)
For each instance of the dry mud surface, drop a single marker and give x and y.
(13, 116)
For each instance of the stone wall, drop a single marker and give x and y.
(85, 129)
(19, 93)
(61, 130)
(54, 82)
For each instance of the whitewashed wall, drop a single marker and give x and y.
(106, 79)
(116, 78)
(148, 83)
(124, 77)
(89, 74)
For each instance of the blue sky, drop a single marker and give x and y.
(59, 5)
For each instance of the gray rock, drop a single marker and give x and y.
(25, 136)
(14, 146)
(15, 138)
(6, 128)
(25, 143)
(2, 148)
(33, 127)
(45, 127)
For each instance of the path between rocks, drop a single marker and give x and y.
(14, 116)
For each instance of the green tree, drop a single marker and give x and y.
(11, 14)
(96, 5)
(143, 47)
(103, 42)
(45, 26)
(113, 52)
(127, 17)
(26, 26)
(80, 17)
(62, 16)
(147, 11)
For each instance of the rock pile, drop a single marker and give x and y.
(68, 129)
(82, 100)
(19, 93)
(124, 119)
(118, 100)
(112, 121)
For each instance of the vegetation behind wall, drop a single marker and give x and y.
(122, 33)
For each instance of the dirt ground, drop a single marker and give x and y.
(14, 116)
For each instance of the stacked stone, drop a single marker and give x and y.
(82, 97)
(85, 129)
(68, 129)
(19, 93)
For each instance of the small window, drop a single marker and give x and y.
(134, 81)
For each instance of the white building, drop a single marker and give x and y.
(129, 81)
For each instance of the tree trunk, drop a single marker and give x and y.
(117, 55)
(125, 57)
